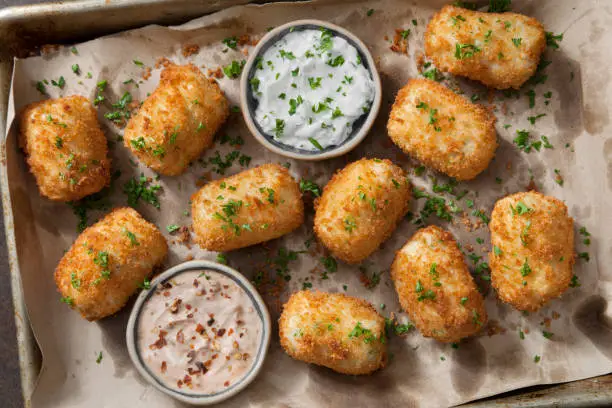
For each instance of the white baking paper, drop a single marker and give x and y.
(421, 371)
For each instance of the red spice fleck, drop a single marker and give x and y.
(175, 305)
(190, 49)
(226, 383)
(160, 342)
(214, 356)
(200, 329)
(217, 73)
(221, 332)
(230, 331)
(179, 384)
(196, 283)
(164, 367)
(188, 306)
(210, 322)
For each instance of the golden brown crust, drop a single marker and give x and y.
(320, 328)
(442, 129)
(65, 147)
(500, 62)
(360, 208)
(266, 202)
(106, 264)
(178, 121)
(533, 249)
(435, 287)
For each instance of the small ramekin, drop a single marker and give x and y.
(248, 102)
(194, 398)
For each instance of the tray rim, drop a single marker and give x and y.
(36, 19)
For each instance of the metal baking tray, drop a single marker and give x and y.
(23, 29)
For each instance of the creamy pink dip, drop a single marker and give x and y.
(199, 332)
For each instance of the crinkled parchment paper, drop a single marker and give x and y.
(421, 372)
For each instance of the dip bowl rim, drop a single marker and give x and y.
(193, 397)
(354, 139)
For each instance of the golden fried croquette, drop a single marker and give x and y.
(501, 50)
(435, 287)
(360, 207)
(248, 208)
(336, 331)
(65, 147)
(108, 262)
(533, 249)
(178, 121)
(442, 129)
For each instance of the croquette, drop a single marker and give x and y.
(333, 330)
(251, 207)
(443, 130)
(501, 50)
(65, 148)
(360, 207)
(178, 121)
(435, 287)
(533, 249)
(108, 262)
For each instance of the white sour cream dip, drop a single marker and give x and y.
(311, 87)
(199, 332)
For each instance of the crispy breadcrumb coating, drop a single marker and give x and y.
(501, 50)
(435, 287)
(533, 249)
(248, 208)
(442, 129)
(360, 208)
(65, 147)
(337, 331)
(108, 262)
(178, 121)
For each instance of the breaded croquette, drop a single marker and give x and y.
(248, 208)
(360, 207)
(533, 249)
(442, 129)
(108, 262)
(336, 331)
(178, 121)
(65, 148)
(435, 287)
(501, 50)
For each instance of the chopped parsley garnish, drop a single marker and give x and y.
(551, 40)
(463, 51)
(255, 84)
(547, 334)
(280, 127)
(575, 283)
(60, 83)
(463, 301)
(336, 62)
(67, 300)
(74, 281)
(497, 251)
(349, 223)
(314, 82)
(524, 232)
(330, 263)
(294, 103)
(284, 54)
(307, 185)
(525, 269)
(531, 95)
(75, 68)
(140, 189)
(315, 143)
(222, 259)
(234, 69)
(99, 358)
(405, 33)
(370, 12)
(434, 74)
(520, 209)
(230, 42)
(360, 331)
(131, 236)
(585, 256)
(517, 42)
(40, 87)
(172, 228)
(558, 178)
(532, 119)
(138, 63)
